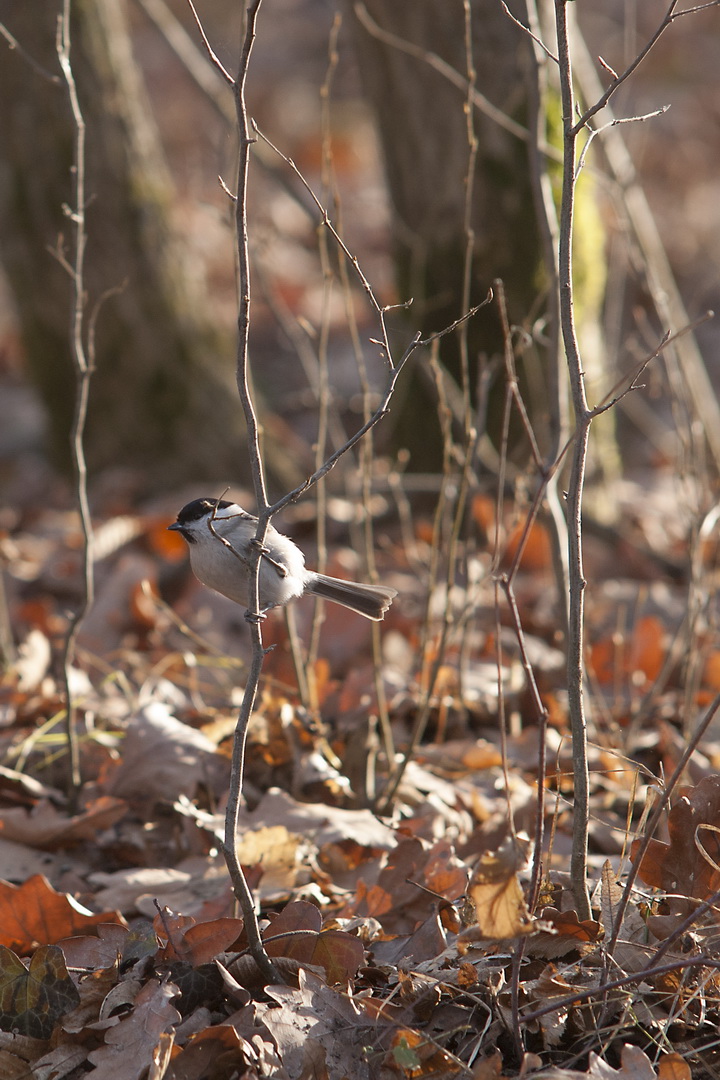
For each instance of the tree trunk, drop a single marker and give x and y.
(162, 398)
(423, 127)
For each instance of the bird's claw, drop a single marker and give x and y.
(255, 617)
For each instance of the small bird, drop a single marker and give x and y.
(220, 535)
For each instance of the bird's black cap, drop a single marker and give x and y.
(197, 509)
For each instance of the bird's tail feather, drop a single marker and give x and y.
(372, 601)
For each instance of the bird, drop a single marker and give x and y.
(220, 536)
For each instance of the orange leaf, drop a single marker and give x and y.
(681, 865)
(537, 552)
(647, 652)
(35, 913)
(603, 660)
(673, 1067)
(497, 895)
(712, 671)
(482, 509)
(567, 924)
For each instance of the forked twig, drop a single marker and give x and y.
(670, 17)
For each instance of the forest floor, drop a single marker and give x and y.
(437, 936)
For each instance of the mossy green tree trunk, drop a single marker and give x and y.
(162, 397)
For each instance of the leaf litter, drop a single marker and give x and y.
(410, 945)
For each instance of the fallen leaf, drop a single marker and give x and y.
(130, 1045)
(680, 865)
(498, 897)
(163, 758)
(33, 998)
(44, 826)
(635, 1065)
(34, 913)
(673, 1067)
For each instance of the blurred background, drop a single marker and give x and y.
(378, 131)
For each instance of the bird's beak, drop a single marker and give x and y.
(175, 526)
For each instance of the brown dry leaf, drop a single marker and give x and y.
(164, 758)
(61, 1062)
(631, 952)
(444, 873)
(111, 615)
(298, 915)
(296, 933)
(195, 883)
(280, 855)
(130, 1045)
(35, 914)
(161, 1056)
(643, 653)
(395, 900)
(603, 658)
(673, 1067)
(95, 989)
(47, 827)
(496, 892)
(635, 1065)
(319, 1031)
(196, 942)
(91, 951)
(489, 1068)
(427, 941)
(567, 924)
(537, 552)
(337, 954)
(412, 1054)
(13, 1067)
(711, 676)
(318, 822)
(647, 648)
(483, 511)
(680, 867)
(20, 862)
(198, 1058)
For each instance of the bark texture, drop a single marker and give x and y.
(422, 122)
(162, 398)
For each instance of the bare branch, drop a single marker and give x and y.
(210, 51)
(670, 17)
(191, 56)
(535, 37)
(240, 885)
(15, 46)
(352, 259)
(83, 370)
(593, 132)
(479, 101)
(576, 606)
(667, 339)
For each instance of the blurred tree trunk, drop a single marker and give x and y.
(422, 123)
(163, 398)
